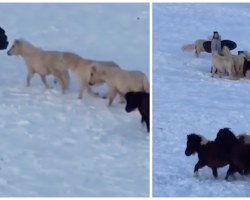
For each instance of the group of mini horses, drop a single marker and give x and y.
(226, 149)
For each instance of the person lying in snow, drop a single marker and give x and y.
(3, 40)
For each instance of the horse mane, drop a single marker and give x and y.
(27, 47)
(215, 53)
(226, 137)
(243, 55)
(226, 49)
(204, 140)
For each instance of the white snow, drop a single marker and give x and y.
(54, 145)
(186, 99)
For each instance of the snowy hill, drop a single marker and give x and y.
(55, 145)
(186, 99)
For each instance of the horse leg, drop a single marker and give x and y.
(29, 77)
(215, 172)
(230, 75)
(43, 79)
(142, 121)
(219, 73)
(240, 71)
(197, 51)
(91, 92)
(198, 166)
(213, 70)
(231, 171)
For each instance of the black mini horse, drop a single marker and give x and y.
(235, 151)
(140, 100)
(207, 153)
(246, 66)
(3, 39)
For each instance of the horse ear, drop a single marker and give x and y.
(94, 68)
(17, 42)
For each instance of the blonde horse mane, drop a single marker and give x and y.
(27, 47)
(226, 50)
(215, 53)
(204, 140)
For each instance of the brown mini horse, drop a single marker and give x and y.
(225, 149)
(207, 153)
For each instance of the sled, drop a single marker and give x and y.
(230, 44)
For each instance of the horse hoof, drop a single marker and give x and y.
(196, 174)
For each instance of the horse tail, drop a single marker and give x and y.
(188, 47)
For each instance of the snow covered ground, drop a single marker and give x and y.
(55, 145)
(186, 99)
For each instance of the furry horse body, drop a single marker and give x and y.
(238, 61)
(246, 67)
(120, 81)
(81, 68)
(207, 153)
(222, 63)
(140, 100)
(235, 150)
(41, 62)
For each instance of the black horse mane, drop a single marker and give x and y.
(194, 136)
(226, 135)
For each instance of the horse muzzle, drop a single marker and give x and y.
(187, 153)
(128, 109)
